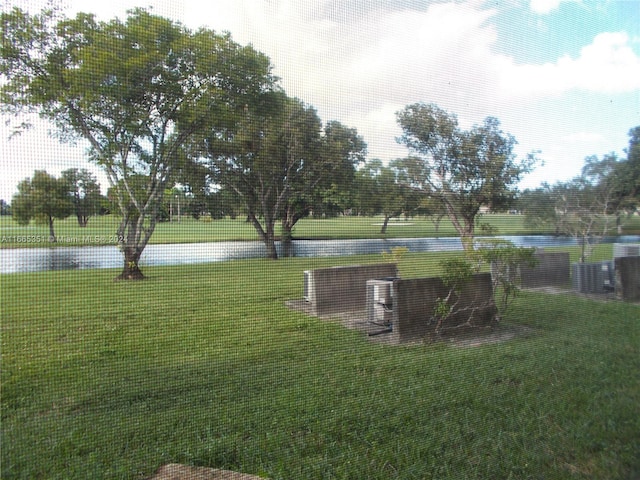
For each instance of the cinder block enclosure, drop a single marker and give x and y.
(627, 271)
(343, 288)
(552, 269)
(414, 303)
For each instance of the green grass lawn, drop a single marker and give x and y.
(101, 230)
(205, 365)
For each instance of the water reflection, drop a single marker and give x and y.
(68, 258)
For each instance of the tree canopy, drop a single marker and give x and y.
(137, 90)
(382, 189)
(43, 197)
(84, 192)
(593, 204)
(464, 170)
(277, 158)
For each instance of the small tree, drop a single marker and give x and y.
(433, 210)
(5, 208)
(84, 191)
(456, 273)
(583, 213)
(44, 198)
(505, 261)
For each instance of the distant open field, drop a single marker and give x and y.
(101, 230)
(205, 365)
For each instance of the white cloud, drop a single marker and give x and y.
(607, 65)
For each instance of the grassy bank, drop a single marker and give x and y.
(101, 230)
(205, 365)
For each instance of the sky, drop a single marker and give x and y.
(562, 76)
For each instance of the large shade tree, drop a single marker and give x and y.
(320, 185)
(539, 207)
(260, 155)
(276, 159)
(136, 90)
(463, 169)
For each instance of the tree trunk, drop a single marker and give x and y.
(287, 240)
(270, 243)
(131, 269)
(290, 218)
(467, 241)
(583, 249)
(467, 233)
(52, 235)
(266, 234)
(132, 246)
(383, 230)
(436, 224)
(464, 225)
(618, 224)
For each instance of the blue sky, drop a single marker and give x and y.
(562, 76)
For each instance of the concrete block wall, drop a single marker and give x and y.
(344, 288)
(415, 300)
(552, 269)
(627, 271)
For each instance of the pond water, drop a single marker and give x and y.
(23, 260)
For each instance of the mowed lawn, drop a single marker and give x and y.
(205, 365)
(102, 230)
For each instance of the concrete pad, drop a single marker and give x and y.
(174, 471)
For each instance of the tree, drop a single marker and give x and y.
(464, 170)
(364, 201)
(5, 208)
(42, 197)
(321, 186)
(136, 90)
(583, 212)
(584, 207)
(539, 208)
(261, 155)
(434, 210)
(622, 176)
(275, 159)
(84, 191)
(577, 208)
(386, 191)
(631, 170)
